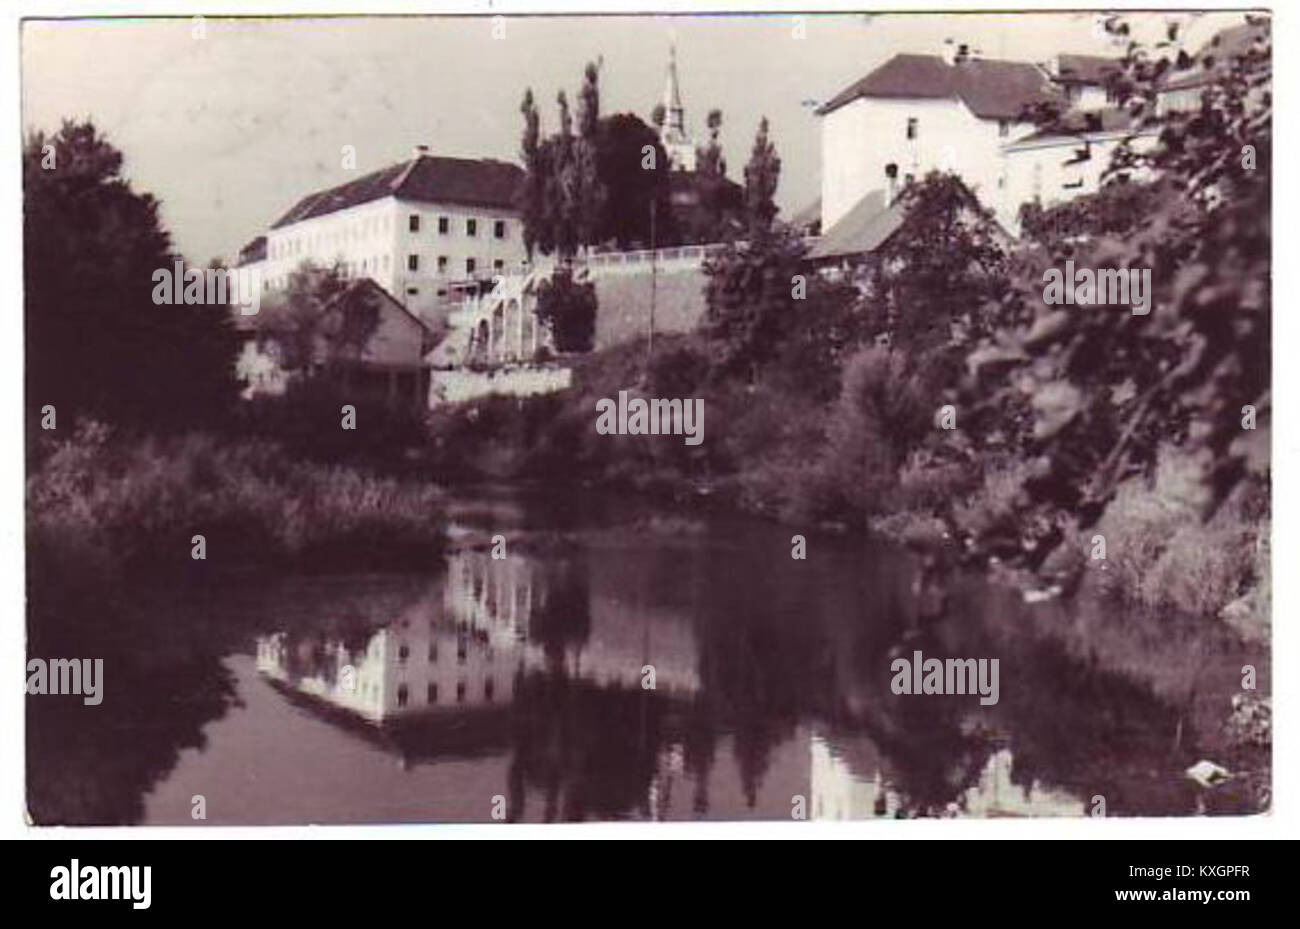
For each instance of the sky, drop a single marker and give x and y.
(229, 130)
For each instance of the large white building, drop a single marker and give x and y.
(422, 229)
(957, 111)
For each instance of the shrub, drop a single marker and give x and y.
(569, 309)
(132, 506)
(1162, 556)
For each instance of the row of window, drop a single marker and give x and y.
(914, 128)
(471, 226)
(431, 693)
(462, 647)
(366, 229)
(368, 266)
(315, 242)
(471, 264)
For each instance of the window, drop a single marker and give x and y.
(413, 291)
(413, 262)
(499, 228)
(433, 693)
(433, 652)
(415, 222)
(461, 650)
(404, 652)
(460, 691)
(444, 225)
(911, 127)
(470, 265)
(442, 264)
(471, 227)
(488, 690)
(499, 265)
(402, 695)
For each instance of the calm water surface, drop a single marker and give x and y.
(485, 688)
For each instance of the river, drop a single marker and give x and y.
(618, 660)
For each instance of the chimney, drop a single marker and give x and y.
(948, 51)
(419, 150)
(963, 53)
(891, 184)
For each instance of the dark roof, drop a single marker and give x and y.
(862, 229)
(1081, 123)
(253, 251)
(426, 179)
(992, 89)
(1086, 69)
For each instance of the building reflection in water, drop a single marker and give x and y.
(851, 780)
(468, 646)
(527, 656)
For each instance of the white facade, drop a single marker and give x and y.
(413, 250)
(1048, 169)
(863, 138)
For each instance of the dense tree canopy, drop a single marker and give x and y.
(96, 342)
(597, 185)
(1107, 386)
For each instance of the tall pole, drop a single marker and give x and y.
(650, 342)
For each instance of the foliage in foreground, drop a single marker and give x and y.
(126, 507)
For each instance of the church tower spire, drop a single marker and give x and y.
(672, 135)
(675, 113)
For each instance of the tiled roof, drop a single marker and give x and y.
(1086, 69)
(992, 89)
(426, 179)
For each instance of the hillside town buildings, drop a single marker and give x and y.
(443, 239)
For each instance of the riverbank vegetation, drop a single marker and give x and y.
(130, 507)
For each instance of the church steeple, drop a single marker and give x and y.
(678, 145)
(674, 112)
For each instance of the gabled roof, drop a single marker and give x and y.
(369, 285)
(1086, 69)
(992, 89)
(812, 213)
(252, 252)
(871, 223)
(425, 179)
(272, 315)
(862, 229)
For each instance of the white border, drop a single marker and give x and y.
(1283, 822)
